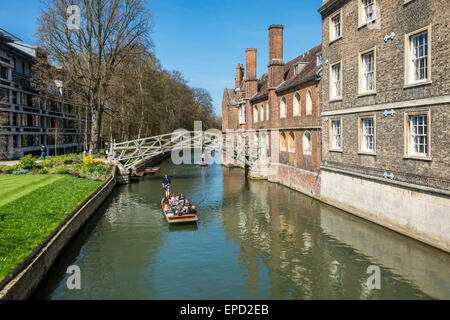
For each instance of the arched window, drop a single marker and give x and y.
(255, 114)
(283, 108)
(267, 111)
(307, 142)
(308, 102)
(282, 141)
(261, 112)
(291, 142)
(296, 104)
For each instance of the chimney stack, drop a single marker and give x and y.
(276, 64)
(251, 80)
(239, 75)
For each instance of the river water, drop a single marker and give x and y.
(254, 240)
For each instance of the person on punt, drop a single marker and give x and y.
(166, 185)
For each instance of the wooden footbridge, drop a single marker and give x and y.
(134, 152)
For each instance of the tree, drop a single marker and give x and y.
(87, 59)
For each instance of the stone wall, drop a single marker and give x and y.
(422, 215)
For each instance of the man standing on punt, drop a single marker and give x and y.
(166, 185)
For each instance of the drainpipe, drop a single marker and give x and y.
(318, 121)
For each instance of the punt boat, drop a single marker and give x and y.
(172, 219)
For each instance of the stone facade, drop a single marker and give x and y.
(371, 141)
(296, 129)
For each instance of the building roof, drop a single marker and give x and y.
(232, 97)
(17, 44)
(308, 64)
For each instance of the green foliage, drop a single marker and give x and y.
(27, 162)
(43, 171)
(62, 170)
(59, 160)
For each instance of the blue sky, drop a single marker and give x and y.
(205, 39)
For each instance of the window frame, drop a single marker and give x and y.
(283, 146)
(362, 18)
(361, 149)
(361, 92)
(261, 113)
(242, 114)
(284, 102)
(408, 73)
(291, 136)
(307, 152)
(408, 154)
(319, 59)
(309, 94)
(331, 82)
(331, 27)
(294, 99)
(255, 114)
(331, 146)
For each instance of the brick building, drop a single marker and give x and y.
(27, 118)
(280, 111)
(385, 113)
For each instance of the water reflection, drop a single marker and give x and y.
(254, 240)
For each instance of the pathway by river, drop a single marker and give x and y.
(254, 240)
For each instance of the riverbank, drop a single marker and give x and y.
(24, 226)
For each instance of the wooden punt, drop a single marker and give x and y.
(151, 170)
(186, 218)
(137, 177)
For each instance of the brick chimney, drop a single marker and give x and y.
(250, 80)
(276, 64)
(239, 75)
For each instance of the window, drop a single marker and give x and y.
(367, 80)
(261, 112)
(418, 134)
(367, 134)
(255, 114)
(419, 53)
(282, 141)
(283, 108)
(296, 104)
(307, 143)
(308, 102)
(336, 135)
(296, 69)
(242, 114)
(291, 142)
(335, 27)
(418, 57)
(336, 83)
(267, 111)
(319, 59)
(368, 7)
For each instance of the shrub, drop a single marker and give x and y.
(62, 170)
(27, 162)
(89, 160)
(43, 171)
(4, 168)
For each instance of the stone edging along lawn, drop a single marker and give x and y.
(24, 279)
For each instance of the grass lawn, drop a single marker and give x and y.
(27, 219)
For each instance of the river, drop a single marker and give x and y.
(254, 240)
